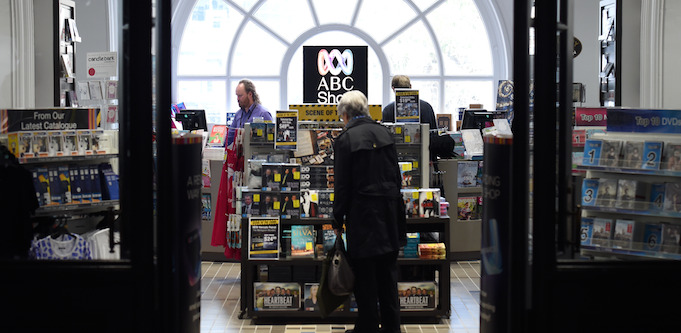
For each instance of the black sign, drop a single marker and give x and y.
(331, 71)
(48, 119)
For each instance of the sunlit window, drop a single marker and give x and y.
(443, 45)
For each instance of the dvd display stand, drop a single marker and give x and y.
(296, 270)
(631, 195)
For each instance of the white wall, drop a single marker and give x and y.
(5, 56)
(630, 80)
(585, 66)
(671, 94)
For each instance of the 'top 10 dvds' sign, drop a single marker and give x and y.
(331, 71)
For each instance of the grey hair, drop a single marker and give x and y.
(354, 103)
(250, 87)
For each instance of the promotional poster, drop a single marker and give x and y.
(286, 130)
(276, 296)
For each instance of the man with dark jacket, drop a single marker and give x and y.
(369, 203)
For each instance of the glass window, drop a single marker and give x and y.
(447, 52)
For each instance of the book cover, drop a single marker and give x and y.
(267, 201)
(465, 207)
(309, 203)
(610, 153)
(671, 156)
(250, 203)
(411, 202)
(302, 241)
(411, 133)
(624, 234)
(205, 173)
(76, 190)
(41, 182)
(652, 155)
(589, 192)
(289, 205)
(429, 202)
(95, 184)
(472, 141)
(326, 203)
(467, 173)
(397, 130)
(276, 296)
(217, 136)
(505, 95)
(607, 192)
(672, 197)
(417, 296)
(206, 207)
(56, 194)
(254, 174)
(586, 230)
(592, 152)
(671, 235)
(258, 132)
(632, 154)
(64, 179)
(652, 237)
(271, 176)
(310, 294)
(602, 232)
(290, 177)
(626, 193)
(656, 201)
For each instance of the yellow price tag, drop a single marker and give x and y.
(416, 164)
(296, 203)
(276, 206)
(277, 177)
(270, 137)
(415, 195)
(296, 175)
(256, 197)
(398, 129)
(429, 195)
(407, 138)
(308, 246)
(259, 132)
(406, 167)
(331, 196)
(313, 197)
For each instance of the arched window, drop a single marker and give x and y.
(453, 54)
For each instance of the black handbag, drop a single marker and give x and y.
(340, 276)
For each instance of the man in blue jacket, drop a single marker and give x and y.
(369, 203)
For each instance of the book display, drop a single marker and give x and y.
(295, 188)
(73, 164)
(631, 193)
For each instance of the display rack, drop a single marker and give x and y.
(637, 192)
(308, 270)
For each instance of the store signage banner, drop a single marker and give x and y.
(328, 112)
(48, 119)
(644, 121)
(331, 71)
(101, 64)
(263, 241)
(591, 116)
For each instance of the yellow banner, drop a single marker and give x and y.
(328, 112)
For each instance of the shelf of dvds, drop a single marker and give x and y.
(631, 193)
(290, 195)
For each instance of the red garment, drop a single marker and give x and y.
(234, 161)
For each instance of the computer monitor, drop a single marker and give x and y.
(192, 119)
(477, 119)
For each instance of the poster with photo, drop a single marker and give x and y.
(407, 108)
(276, 296)
(286, 130)
(263, 238)
(417, 296)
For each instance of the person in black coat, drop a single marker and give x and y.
(369, 203)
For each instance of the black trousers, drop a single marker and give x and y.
(376, 287)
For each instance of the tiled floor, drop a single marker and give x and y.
(220, 309)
